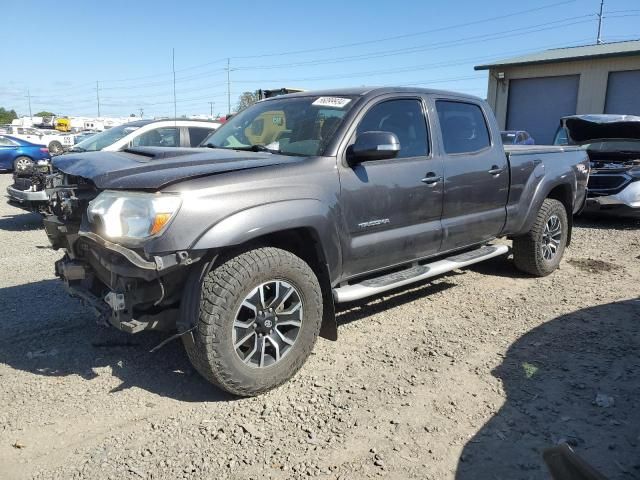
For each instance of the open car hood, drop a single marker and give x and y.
(155, 168)
(589, 128)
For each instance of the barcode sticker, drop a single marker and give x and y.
(335, 102)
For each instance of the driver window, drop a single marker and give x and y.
(405, 118)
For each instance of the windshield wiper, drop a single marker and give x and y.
(256, 148)
(210, 145)
(77, 149)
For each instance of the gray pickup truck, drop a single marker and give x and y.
(301, 202)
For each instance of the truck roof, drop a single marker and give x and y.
(376, 91)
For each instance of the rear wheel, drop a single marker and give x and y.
(259, 317)
(55, 148)
(539, 251)
(22, 164)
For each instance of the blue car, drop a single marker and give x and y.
(516, 137)
(21, 156)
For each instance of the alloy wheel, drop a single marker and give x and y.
(267, 324)
(551, 237)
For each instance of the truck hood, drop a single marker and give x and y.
(155, 168)
(589, 128)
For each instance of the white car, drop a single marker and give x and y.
(56, 142)
(148, 133)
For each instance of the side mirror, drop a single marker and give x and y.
(373, 146)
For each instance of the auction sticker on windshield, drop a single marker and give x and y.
(335, 102)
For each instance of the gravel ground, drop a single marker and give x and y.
(467, 377)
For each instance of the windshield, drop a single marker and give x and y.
(599, 145)
(301, 126)
(104, 139)
(614, 145)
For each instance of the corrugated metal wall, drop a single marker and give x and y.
(537, 104)
(623, 93)
(592, 92)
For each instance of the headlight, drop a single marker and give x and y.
(132, 216)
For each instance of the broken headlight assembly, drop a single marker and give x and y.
(132, 217)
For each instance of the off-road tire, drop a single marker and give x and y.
(55, 147)
(220, 293)
(20, 164)
(527, 248)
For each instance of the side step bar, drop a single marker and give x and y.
(381, 284)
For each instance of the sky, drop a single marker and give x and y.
(65, 54)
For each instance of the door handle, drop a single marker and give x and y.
(495, 170)
(431, 178)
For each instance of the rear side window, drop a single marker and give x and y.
(159, 137)
(464, 129)
(197, 135)
(5, 142)
(405, 119)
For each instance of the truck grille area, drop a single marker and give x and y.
(607, 183)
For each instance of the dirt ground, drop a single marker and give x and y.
(470, 376)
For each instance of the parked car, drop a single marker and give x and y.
(149, 133)
(142, 133)
(613, 145)
(21, 156)
(246, 247)
(516, 137)
(84, 134)
(56, 142)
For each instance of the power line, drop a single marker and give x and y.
(335, 47)
(408, 35)
(562, 23)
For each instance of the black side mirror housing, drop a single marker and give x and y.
(373, 145)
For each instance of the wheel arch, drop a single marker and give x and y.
(303, 227)
(564, 194)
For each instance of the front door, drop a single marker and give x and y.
(476, 176)
(392, 207)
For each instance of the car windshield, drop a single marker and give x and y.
(614, 145)
(104, 139)
(301, 126)
(599, 145)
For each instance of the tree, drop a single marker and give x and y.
(246, 100)
(44, 113)
(6, 116)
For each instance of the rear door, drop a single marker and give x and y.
(7, 153)
(476, 176)
(392, 215)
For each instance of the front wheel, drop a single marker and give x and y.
(259, 317)
(539, 251)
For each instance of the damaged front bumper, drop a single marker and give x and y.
(624, 203)
(123, 287)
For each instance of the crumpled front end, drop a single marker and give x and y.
(125, 287)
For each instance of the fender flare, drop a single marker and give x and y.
(310, 214)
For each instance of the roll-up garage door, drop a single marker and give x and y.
(623, 93)
(536, 104)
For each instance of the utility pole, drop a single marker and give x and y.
(600, 17)
(173, 67)
(211, 104)
(228, 85)
(98, 96)
(29, 97)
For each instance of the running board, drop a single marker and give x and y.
(381, 284)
